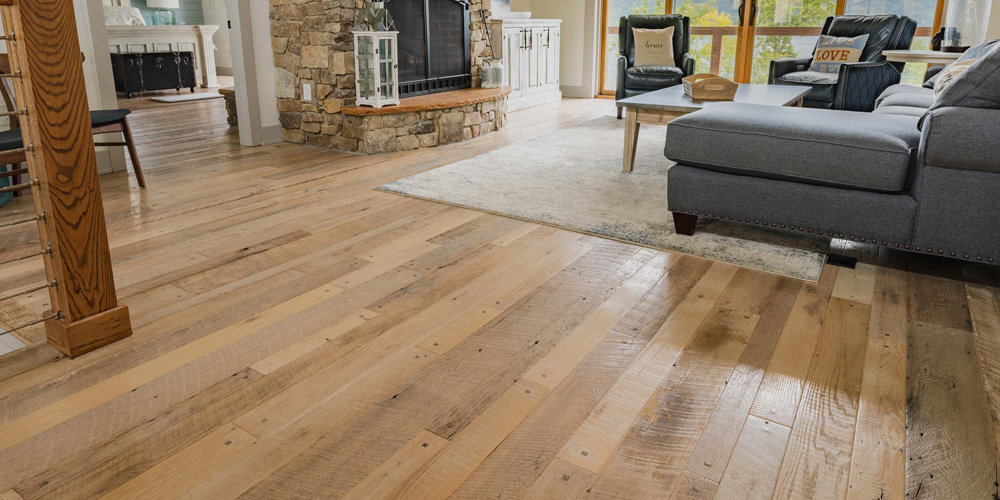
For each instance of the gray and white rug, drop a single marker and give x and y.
(573, 179)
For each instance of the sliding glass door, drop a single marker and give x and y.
(738, 39)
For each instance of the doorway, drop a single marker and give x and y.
(738, 39)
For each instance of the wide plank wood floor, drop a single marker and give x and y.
(299, 335)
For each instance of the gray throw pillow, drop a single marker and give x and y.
(977, 87)
(975, 52)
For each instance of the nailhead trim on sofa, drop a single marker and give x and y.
(829, 233)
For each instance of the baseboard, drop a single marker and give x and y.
(270, 135)
(574, 91)
(519, 103)
(224, 71)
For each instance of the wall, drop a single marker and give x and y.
(578, 57)
(215, 13)
(189, 13)
(260, 28)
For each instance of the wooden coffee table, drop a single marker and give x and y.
(661, 106)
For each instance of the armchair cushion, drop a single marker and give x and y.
(827, 148)
(652, 77)
(824, 85)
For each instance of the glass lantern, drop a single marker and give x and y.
(966, 24)
(376, 64)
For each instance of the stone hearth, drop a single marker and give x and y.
(313, 44)
(425, 121)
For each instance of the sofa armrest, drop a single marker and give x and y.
(932, 71)
(861, 83)
(620, 87)
(782, 67)
(961, 138)
(687, 64)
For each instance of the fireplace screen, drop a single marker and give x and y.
(434, 53)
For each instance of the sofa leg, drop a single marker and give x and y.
(684, 223)
(619, 112)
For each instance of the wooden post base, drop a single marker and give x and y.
(685, 223)
(80, 337)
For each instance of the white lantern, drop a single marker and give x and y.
(376, 59)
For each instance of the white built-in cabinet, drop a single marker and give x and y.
(529, 49)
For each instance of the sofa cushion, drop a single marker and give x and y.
(831, 148)
(902, 88)
(652, 77)
(974, 52)
(910, 99)
(900, 110)
(824, 85)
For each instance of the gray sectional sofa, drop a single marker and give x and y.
(917, 173)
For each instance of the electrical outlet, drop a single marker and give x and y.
(307, 92)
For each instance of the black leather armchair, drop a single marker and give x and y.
(632, 80)
(858, 84)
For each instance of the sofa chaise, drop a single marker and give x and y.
(923, 176)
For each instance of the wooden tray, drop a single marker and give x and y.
(708, 87)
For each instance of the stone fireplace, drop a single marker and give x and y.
(434, 46)
(313, 45)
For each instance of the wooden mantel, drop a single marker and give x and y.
(443, 100)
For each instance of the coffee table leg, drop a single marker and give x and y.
(631, 138)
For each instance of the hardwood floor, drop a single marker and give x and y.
(299, 335)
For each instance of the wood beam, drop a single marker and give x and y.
(63, 160)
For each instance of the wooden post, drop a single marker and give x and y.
(46, 52)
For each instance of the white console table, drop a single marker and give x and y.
(921, 56)
(186, 38)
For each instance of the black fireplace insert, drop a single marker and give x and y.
(434, 51)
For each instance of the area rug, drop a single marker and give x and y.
(573, 179)
(188, 97)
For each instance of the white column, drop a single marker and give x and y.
(206, 56)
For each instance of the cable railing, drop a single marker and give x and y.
(61, 165)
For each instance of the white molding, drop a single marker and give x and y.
(244, 73)
(271, 134)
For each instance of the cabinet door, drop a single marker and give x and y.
(552, 57)
(536, 63)
(513, 60)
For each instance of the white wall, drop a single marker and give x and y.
(260, 22)
(215, 13)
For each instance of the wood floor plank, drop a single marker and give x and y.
(388, 480)
(446, 472)
(560, 480)
(182, 471)
(879, 455)
(818, 459)
(652, 454)
(719, 438)
(595, 441)
(984, 309)
(753, 469)
(781, 389)
(949, 445)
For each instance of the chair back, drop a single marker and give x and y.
(682, 34)
(7, 91)
(887, 32)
